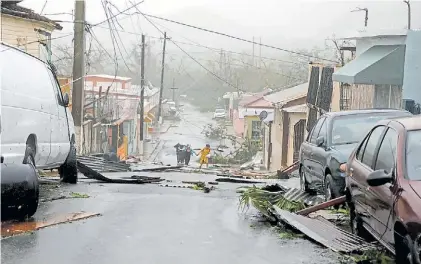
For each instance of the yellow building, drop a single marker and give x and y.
(252, 127)
(23, 28)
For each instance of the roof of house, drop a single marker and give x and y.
(253, 98)
(13, 9)
(112, 77)
(289, 94)
(296, 109)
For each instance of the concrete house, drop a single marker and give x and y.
(23, 28)
(385, 71)
(284, 130)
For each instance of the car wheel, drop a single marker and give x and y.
(356, 225)
(330, 189)
(68, 171)
(403, 245)
(303, 182)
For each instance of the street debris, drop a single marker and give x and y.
(159, 169)
(92, 174)
(324, 232)
(195, 185)
(234, 180)
(12, 228)
(101, 164)
(79, 195)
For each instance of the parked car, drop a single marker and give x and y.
(219, 114)
(329, 144)
(383, 185)
(36, 125)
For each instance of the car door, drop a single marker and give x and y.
(360, 168)
(307, 150)
(318, 157)
(60, 141)
(381, 197)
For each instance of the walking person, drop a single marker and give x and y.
(179, 152)
(188, 154)
(204, 152)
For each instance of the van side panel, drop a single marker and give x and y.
(27, 104)
(60, 138)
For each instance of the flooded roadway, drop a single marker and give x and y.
(152, 224)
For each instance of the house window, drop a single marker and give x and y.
(345, 100)
(256, 130)
(45, 45)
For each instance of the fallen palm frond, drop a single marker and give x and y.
(264, 201)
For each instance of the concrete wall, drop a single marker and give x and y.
(412, 77)
(20, 33)
(277, 132)
(366, 43)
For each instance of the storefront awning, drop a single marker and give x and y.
(381, 64)
(147, 119)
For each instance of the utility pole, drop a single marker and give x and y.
(173, 88)
(142, 94)
(162, 80)
(409, 13)
(78, 71)
(366, 14)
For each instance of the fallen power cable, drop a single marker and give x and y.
(92, 174)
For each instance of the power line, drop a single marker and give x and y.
(119, 13)
(234, 37)
(201, 65)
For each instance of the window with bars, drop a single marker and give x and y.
(345, 99)
(256, 130)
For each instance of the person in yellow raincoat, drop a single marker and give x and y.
(204, 155)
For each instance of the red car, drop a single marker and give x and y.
(383, 186)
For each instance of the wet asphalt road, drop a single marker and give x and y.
(152, 224)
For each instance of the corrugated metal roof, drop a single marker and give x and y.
(289, 94)
(325, 233)
(296, 109)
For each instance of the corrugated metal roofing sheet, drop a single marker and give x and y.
(288, 94)
(297, 195)
(325, 233)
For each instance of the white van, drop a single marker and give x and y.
(36, 125)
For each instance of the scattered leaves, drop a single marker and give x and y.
(78, 195)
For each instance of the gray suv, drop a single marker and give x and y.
(329, 144)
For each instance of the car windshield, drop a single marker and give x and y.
(352, 128)
(219, 111)
(413, 153)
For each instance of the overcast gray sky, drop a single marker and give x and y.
(284, 23)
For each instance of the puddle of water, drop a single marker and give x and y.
(11, 228)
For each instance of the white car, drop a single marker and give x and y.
(36, 125)
(219, 114)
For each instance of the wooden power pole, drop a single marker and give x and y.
(142, 95)
(162, 80)
(78, 71)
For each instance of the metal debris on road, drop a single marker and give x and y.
(92, 174)
(15, 228)
(284, 174)
(159, 169)
(234, 180)
(321, 206)
(102, 165)
(297, 195)
(324, 232)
